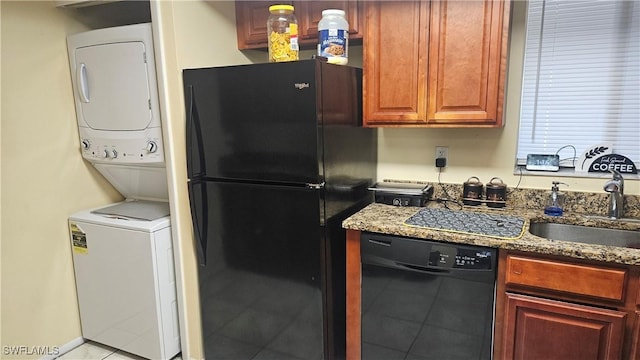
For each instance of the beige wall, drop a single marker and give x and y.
(44, 178)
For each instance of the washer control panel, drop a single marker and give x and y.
(145, 149)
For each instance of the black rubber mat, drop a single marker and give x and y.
(468, 222)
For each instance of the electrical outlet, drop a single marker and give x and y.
(442, 152)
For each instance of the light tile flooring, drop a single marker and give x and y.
(94, 351)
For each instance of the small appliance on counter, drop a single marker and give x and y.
(402, 194)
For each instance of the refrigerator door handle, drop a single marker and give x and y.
(194, 141)
(315, 186)
(200, 219)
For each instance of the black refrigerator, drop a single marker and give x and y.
(277, 158)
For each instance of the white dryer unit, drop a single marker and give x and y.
(125, 281)
(117, 107)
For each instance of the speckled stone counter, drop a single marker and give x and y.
(387, 219)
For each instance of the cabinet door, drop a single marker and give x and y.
(251, 23)
(467, 56)
(395, 63)
(635, 338)
(436, 64)
(309, 14)
(537, 328)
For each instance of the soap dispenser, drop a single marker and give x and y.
(555, 202)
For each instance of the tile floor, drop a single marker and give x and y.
(94, 351)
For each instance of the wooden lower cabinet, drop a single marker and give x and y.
(556, 307)
(539, 328)
(635, 346)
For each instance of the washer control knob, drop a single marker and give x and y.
(105, 154)
(85, 144)
(114, 154)
(152, 146)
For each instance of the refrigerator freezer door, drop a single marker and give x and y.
(254, 122)
(261, 288)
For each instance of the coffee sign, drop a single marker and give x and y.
(617, 162)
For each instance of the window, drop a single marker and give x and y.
(581, 79)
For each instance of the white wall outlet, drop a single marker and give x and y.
(442, 152)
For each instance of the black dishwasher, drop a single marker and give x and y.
(425, 299)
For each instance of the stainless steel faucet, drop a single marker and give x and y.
(615, 187)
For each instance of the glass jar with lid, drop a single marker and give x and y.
(282, 30)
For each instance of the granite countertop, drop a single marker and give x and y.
(387, 219)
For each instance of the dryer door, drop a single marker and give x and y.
(113, 86)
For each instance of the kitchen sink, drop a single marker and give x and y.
(600, 217)
(586, 234)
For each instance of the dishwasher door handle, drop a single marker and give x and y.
(380, 242)
(423, 269)
(373, 260)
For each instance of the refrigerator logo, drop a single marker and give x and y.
(301, 86)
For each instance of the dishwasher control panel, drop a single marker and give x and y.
(428, 256)
(460, 258)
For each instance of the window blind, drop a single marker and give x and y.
(581, 78)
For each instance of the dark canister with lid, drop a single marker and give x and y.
(496, 193)
(472, 191)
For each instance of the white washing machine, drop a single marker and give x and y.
(123, 255)
(125, 278)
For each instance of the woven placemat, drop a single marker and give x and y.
(466, 222)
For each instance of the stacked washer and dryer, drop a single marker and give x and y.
(122, 253)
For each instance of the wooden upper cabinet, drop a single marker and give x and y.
(395, 63)
(450, 67)
(467, 57)
(251, 21)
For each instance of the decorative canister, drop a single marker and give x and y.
(282, 30)
(472, 192)
(496, 193)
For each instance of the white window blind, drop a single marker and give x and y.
(581, 78)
